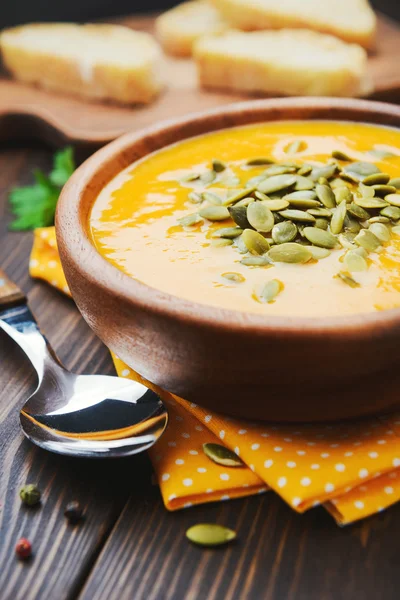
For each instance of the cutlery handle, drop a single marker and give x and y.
(10, 293)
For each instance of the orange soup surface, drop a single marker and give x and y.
(136, 225)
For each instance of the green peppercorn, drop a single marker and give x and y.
(30, 494)
(73, 511)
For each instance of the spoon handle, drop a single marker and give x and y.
(10, 293)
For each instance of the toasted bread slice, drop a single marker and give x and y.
(291, 62)
(180, 27)
(350, 20)
(105, 62)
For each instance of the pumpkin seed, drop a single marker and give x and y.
(240, 245)
(358, 212)
(239, 215)
(290, 164)
(189, 177)
(327, 171)
(232, 276)
(336, 182)
(289, 253)
(366, 191)
(295, 147)
(195, 198)
(297, 215)
(221, 455)
(321, 224)
(303, 183)
(300, 195)
(212, 198)
(339, 155)
(304, 170)
(217, 165)
(370, 202)
(238, 195)
(337, 220)
(395, 182)
(354, 262)
(227, 232)
(261, 196)
(376, 179)
(393, 199)
(342, 194)
(209, 534)
(260, 217)
(254, 181)
(358, 171)
(284, 232)
(367, 240)
(326, 195)
(276, 183)
(245, 201)
(319, 237)
(304, 203)
(381, 154)
(347, 279)
(256, 261)
(392, 212)
(259, 162)
(380, 231)
(320, 212)
(221, 242)
(396, 230)
(255, 242)
(384, 190)
(275, 205)
(379, 219)
(266, 293)
(208, 177)
(360, 251)
(214, 213)
(230, 180)
(347, 242)
(351, 224)
(318, 253)
(190, 220)
(278, 170)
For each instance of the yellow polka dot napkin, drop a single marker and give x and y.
(352, 468)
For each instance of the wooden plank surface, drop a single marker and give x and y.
(129, 546)
(27, 111)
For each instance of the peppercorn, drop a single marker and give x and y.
(23, 548)
(73, 512)
(30, 494)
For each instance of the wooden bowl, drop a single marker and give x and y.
(270, 368)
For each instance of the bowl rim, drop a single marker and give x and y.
(93, 267)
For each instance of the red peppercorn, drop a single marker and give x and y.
(23, 548)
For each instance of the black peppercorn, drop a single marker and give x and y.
(73, 512)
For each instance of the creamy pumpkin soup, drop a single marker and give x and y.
(283, 218)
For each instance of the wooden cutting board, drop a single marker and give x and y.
(27, 112)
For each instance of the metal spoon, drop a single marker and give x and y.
(79, 415)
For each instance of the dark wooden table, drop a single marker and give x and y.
(129, 546)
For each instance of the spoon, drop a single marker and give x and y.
(78, 415)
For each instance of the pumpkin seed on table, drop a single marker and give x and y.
(377, 178)
(290, 253)
(339, 155)
(266, 293)
(260, 217)
(297, 215)
(342, 194)
(210, 534)
(395, 182)
(367, 240)
(347, 279)
(354, 262)
(217, 165)
(392, 212)
(318, 253)
(384, 190)
(255, 242)
(303, 183)
(276, 183)
(370, 202)
(319, 237)
(221, 242)
(214, 213)
(190, 220)
(227, 232)
(221, 455)
(259, 162)
(380, 231)
(358, 212)
(327, 171)
(393, 199)
(295, 147)
(284, 232)
(337, 220)
(326, 195)
(256, 261)
(239, 215)
(232, 276)
(358, 171)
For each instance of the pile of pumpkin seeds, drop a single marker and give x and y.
(296, 213)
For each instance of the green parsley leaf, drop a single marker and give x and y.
(35, 205)
(63, 167)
